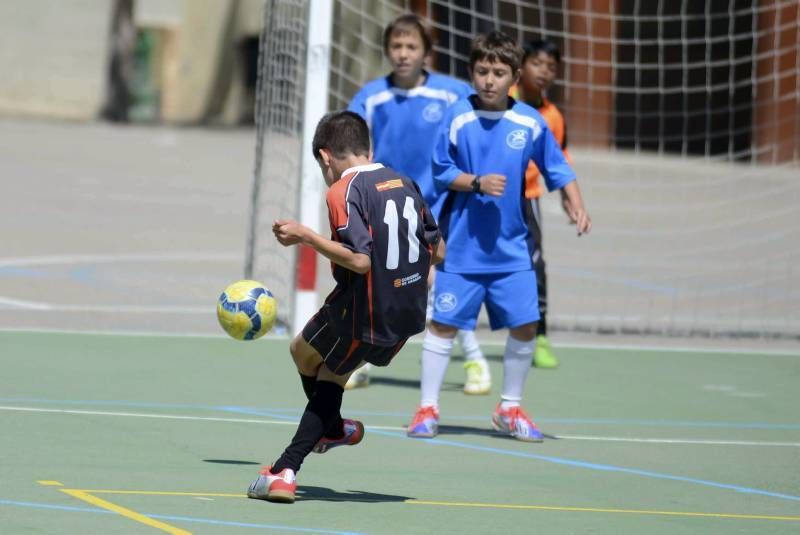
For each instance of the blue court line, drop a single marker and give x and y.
(588, 465)
(57, 507)
(559, 460)
(248, 524)
(582, 421)
(195, 520)
(546, 458)
(280, 413)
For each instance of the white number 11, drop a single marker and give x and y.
(391, 219)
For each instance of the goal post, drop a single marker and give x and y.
(320, 21)
(684, 126)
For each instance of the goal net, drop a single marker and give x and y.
(683, 123)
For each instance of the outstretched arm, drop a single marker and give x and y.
(290, 232)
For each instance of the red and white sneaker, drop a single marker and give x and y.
(353, 434)
(425, 423)
(516, 423)
(273, 487)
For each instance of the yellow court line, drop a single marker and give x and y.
(165, 493)
(127, 513)
(49, 482)
(486, 505)
(604, 510)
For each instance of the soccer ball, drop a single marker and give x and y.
(246, 310)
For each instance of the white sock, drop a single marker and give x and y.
(469, 343)
(516, 365)
(435, 358)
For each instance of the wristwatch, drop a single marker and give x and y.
(476, 184)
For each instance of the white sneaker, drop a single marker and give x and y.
(479, 379)
(359, 379)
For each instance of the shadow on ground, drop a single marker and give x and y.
(480, 431)
(323, 494)
(228, 461)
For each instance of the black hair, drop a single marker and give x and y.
(533, 48)
(343, 133)
(496, 46)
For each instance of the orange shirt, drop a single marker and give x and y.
(556, 124)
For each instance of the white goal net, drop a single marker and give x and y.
(684, 126)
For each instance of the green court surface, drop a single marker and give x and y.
(147, 434)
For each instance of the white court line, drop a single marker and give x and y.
(49, 260)
(19, 303)
(122, 309)
(7, 302)
(393, 428)
(175, 256)
(680, 441)
(132, 333)
(417, 339)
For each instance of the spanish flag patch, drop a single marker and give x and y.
(389, 184)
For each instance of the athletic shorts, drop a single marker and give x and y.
(341, 353)
(511, 299)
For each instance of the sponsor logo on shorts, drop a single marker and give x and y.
(446, 302)
(516, 139)
(432, 112)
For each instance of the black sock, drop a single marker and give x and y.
(541, 327)
(321, 414)
(309, 385)
(336, 429)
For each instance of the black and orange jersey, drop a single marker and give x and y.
(376, 211)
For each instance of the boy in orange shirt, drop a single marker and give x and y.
(539, 68)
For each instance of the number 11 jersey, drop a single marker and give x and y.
(376, 211)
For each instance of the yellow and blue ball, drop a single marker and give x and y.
(246, 310)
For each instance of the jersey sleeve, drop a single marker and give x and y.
(550, 159)
(359, 104)
(348, 220)
(464, 90)
(430, 228)
(444, 166)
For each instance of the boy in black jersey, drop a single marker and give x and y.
(383, 241)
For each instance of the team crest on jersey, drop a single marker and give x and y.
(446, 302)
(432, 112)
(516, 139)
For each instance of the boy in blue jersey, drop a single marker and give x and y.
(403, 110)
(482, 152)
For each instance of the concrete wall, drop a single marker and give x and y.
(201, 75)
(53, 57)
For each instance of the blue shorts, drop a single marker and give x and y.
(511, 299)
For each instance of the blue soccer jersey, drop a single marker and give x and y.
(486, 234)
(404, 123)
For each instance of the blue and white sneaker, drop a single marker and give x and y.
(425, 423)
(516, 423)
